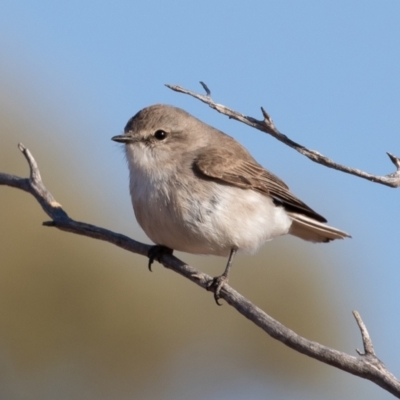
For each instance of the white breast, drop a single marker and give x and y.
(199, 216)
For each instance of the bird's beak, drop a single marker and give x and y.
(123, 139)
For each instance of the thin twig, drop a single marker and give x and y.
(266, 125)
(367, 342)
(366, 366)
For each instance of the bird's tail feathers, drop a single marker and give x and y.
(309, 229)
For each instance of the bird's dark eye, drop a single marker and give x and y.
(160, 134)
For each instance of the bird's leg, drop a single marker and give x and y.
(156, 252)
(216, 284)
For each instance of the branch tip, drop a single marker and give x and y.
(395, 160)
(49, 223)
(367, 342)
(205, 87)
(265, 114)
(21, 147)
(34, 169)
(268, 122)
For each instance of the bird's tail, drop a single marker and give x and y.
(309, 229)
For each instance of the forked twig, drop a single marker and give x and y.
(267, 125)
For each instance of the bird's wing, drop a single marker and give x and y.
(225, 167)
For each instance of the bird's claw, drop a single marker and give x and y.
(156, 252)
(215, 285)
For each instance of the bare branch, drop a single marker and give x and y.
(267, 126)
(366, 366)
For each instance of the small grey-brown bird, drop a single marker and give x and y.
(196, 189)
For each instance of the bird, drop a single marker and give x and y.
(196, 189)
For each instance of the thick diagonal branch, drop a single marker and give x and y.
(267, 125)
(366, 365)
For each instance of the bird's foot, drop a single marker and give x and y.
(215, 285)
(156, 252)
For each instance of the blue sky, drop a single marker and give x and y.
(327, 72)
